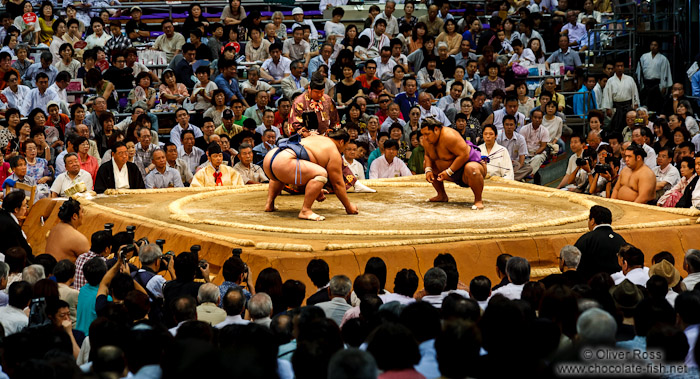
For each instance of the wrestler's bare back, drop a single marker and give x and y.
(65, 242)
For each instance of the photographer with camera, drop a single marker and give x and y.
(117, 282)
(235, 273)
(581, 172)
(186, 266)
(603, 173)
(101, 247)
(153, 261)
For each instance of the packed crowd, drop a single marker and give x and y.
(380, 81)
(123, 308)
(111, 306)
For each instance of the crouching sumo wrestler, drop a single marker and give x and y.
(453, 159)
(311, 162)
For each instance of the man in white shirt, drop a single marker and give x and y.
(388, 165)
(619, 96)
(335, 27)
(14, 92)
(518, 271)
(639, 136)
(691, 264)
(450, 104)
(393, 116)
(392, 23)
(377, 38)
(510, 108)
(536, 138)
(234, 305)
(435, 281)
(183, 123)
(38, 97)
(12, 316)
(349, 159)
(632, 262)
(268, 120)
(249, 171)
(188, 152)
(667, 175)
(429, 110)
(275, 68)
(517, 149)
(654, 75)
(385, 65)
(73, 175)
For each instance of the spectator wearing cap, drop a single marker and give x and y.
(137, 30)
(670, 274)
(298, 15)
(228, 127)
(627, 297)
(214, 173)
(600, 246)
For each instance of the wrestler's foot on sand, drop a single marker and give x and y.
(439, 199)
(478, 206)
(311, 216)
(270, 208)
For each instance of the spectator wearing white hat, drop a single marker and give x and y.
(298, 15)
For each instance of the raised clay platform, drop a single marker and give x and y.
(396, 223)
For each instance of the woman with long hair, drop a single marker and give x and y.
(350, 39)
(662, 135)
(534, 47)
(345, 57)
(685, 113)
(416, 40)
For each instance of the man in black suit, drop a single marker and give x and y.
(319, 273)
(118, 173)
(14, 207)
(600, 246)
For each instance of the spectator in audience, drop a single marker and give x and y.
(516, 145)
(352, 363)
(228, 82)
(667, 175)
(12, 317)
(118, 173)
(395, 348)
(688, 319)
(600, 246)
(339, 294)
(565, 55)
(518, 271)
(234, 304)
(691, 264)
(388, 165)
(208, 309)
(64, 272)
(14, 208)
(101, 246)
(407, 99)
(294, 84)
(434, 280)
(170, 41)
(214, 173)
(179, 164)
(318, 272)
(277, 67)
(64, 240)
(93, 270)
(260, 309)
(39, 97)
(377, 38)
(536, 138)
(631, 259)
(249, 171)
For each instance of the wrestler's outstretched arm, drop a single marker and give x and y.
(335, 175)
